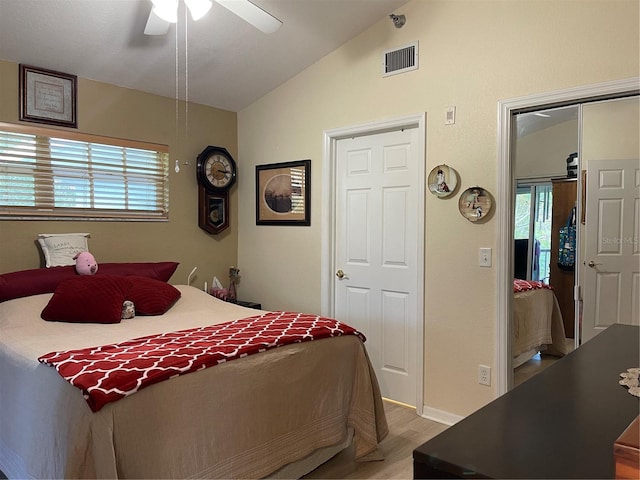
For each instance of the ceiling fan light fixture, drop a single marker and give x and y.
(198, 8)
(167, 10)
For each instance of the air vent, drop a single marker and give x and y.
(400, 60)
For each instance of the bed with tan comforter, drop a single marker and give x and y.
(253, 417)
(537, 322)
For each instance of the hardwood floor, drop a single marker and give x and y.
(406, 432)
(536, 364)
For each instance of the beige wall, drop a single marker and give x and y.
(472, 54)
(544, 153)
(610, 130)
(117, 112)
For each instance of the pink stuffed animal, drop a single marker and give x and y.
(85, 264)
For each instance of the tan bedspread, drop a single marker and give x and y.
(537, 323)
(242, 419)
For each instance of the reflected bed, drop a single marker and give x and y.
(537, 322)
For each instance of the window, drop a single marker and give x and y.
(533, 226)
(47, 174)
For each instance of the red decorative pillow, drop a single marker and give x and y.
(45, 280)
(33, 282)
(151, 297)
(88, 299)
(158, 270)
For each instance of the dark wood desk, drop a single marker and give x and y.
(562, 423)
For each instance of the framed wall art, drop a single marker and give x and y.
(283, 193)
(475, 204)
(48, 97)
(442, 181)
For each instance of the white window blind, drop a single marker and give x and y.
(46, 173)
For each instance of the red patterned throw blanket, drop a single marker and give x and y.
(524, 285)
(110, 372)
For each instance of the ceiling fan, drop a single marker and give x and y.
(165, 12)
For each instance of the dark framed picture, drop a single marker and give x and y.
(283, 193)
(48, 97)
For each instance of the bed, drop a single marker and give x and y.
(537, 322)
(278, 413)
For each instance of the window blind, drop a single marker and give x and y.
(46, 173)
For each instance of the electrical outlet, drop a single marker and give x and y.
(484, 375)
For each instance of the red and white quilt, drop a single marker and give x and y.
(524, 285)
(110, 372)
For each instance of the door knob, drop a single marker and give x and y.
(592, 264)
(340, 274)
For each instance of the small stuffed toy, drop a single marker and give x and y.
(85, 264)
(128, 310)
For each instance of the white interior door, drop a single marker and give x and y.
(377, 238)
(611, 266)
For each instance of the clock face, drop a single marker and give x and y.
(216, 169)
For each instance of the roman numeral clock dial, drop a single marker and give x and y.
(216, 174)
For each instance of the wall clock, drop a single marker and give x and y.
(216, 173)
(216, 169)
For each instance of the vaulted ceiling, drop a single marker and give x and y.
(220, 60)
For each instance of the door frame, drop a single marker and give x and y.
(506, 191)
(328, 221)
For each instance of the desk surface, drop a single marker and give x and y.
(562, 423)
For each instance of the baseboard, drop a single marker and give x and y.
(440, 416)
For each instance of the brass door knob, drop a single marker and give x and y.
(340, 274)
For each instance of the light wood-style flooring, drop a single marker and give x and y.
(406, 431)
(533, 366)
(536, 364)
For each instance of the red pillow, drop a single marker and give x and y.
(158, 270)
(33, 282)
(45, 280)
(88, 299)
(151, 297)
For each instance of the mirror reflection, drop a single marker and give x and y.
(545, 165)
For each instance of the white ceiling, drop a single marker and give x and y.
(227, 63)
(532, 122)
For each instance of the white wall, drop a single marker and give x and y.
(472, 54)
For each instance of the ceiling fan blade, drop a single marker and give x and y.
(156, 25)
(252, 14)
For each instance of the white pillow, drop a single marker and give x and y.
(60, 248)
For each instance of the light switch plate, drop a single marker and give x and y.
(485, 257)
